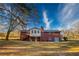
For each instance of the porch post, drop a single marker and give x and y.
(35, 39)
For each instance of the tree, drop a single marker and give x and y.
(18, 14)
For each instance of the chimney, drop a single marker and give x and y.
(42, 29)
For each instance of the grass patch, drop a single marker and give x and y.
(39, 48)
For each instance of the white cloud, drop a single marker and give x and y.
(66, 15)
(46, 21)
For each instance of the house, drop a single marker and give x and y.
(39, 34)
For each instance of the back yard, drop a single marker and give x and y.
(24, 48)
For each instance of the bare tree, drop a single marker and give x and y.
(17, 13)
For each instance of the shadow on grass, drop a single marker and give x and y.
(13, 43)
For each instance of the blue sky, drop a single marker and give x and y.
(59, 16)
(56, 16)
(51, 11)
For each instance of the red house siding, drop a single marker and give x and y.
(45, 36)
(24, 36)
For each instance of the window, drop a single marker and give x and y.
(32, 31)
(35, 31)
(38, 31)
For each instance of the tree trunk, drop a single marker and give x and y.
(7, 35)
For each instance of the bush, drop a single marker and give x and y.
(65, 38)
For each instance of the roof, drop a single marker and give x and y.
(51, 31)
(34, 28)
(44, 30)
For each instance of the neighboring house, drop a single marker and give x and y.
(41, 35)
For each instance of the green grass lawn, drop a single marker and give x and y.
(24, 48)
